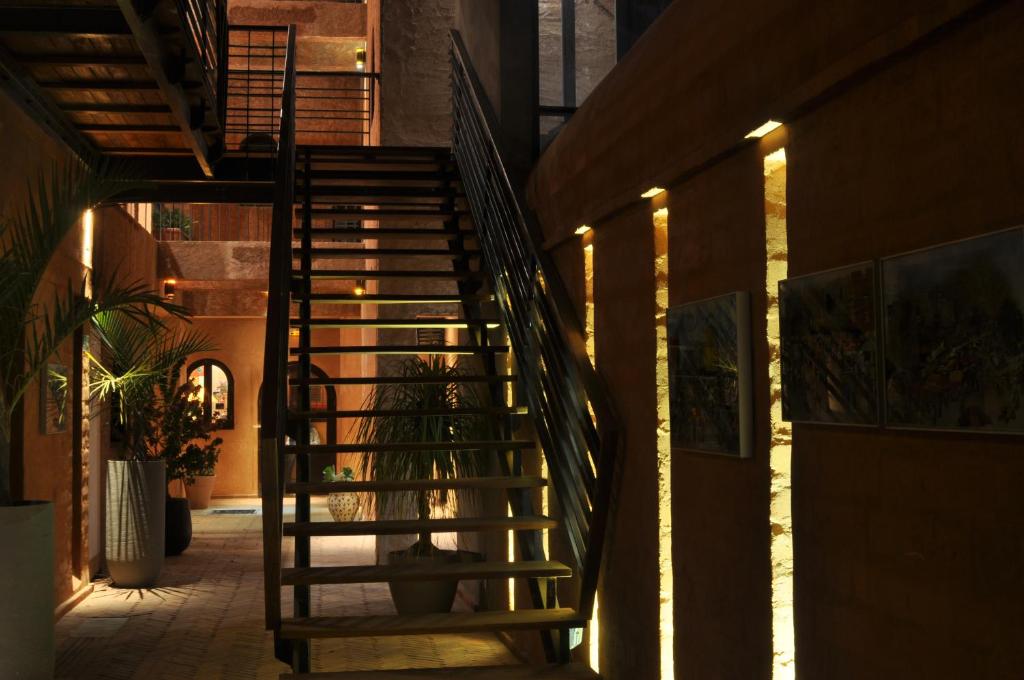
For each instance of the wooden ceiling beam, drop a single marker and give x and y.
(147, 36)
(81, 59)
(64, 20)
(94, 107)
(38, 105)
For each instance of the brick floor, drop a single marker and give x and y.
(205, 619)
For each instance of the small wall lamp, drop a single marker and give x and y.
(360, 58)
(360, 288)
(170, 288)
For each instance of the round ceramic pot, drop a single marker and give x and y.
(343, 506)
(179, 526)
(26, 581)
(136, 503)
(200, 491)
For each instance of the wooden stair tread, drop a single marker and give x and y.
(417, 485)
(396, 233)
(428, 624)
(423, 571)
(396, 323)
(382, 175)
(392, 213)
(513, 445)
(320, 150)
(373, 253)
(572, 671)
(415, 526)
(404, 380)
(373, 274)
(404, 349)
(385, 413)
(392, 299)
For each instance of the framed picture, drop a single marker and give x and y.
(53, 400)
(829, 346)
(954, 335)
(710, 398)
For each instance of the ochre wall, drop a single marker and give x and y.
(908, 544)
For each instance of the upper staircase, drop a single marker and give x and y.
(425, 247)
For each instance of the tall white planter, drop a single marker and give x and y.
(136, 497)
(27, 584)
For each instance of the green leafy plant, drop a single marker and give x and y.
(332, 475)
(181, 435)
(173, 218)
(143, 369)
(421, 464)
(36, 325)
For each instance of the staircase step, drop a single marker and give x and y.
(399, 527)
(321, 151)
(390, 233)
(365, 194)
(404, 349)
(572, 671)
(397, 323)
(404, 380)
(373, 253)
(371, 413)
(417, 485)
(398, 299)
(428, 624)
(418, 214)
(375, 274)
(422, 571)
(400, 447)
(379, 175)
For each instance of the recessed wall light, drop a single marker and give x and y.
(170, 288)
(582, 229)
(360, 58)
(769, 126)
(652, 192)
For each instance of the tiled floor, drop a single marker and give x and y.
(205, 620)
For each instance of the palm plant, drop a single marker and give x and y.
(423, 464)
(36, 325)
(143, 372)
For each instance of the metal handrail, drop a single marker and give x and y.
(275, 357)
(572, 414)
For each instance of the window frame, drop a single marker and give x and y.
(207, 364)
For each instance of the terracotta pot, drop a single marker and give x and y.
(26, 581)
(170, 234)
(343, 506)
(136, 502)
(178, 532)
(426, 597)
(199, 492)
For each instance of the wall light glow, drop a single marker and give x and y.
(769, 126)
(780, 451)
(666, 632)
(88, 221)
(594, 641)
(581, 230)
(652, 192)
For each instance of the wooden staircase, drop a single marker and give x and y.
(444, 230)
(422, 184)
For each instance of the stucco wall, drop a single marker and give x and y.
(907, 544)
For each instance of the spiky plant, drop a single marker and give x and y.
(37, 322)
(424, 464)
(143, 372)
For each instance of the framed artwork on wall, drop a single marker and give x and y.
(53, 400)
(829, 341)
(710, 396)
(954, 335)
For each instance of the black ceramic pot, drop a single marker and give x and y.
(179, 526)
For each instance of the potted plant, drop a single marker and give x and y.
(429, 596)
(38, 319)
(343, 505)
(173, 223)
(182, 437)
(142, 373)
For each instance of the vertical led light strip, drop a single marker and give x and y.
(510, 401)
(588, 278)
(88, 222)
(780, 517)
(665, 610)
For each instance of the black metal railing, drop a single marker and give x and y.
(572, 415)
(205, 25)
(275, 357)
(332, 107)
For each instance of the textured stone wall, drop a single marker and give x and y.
(907, 546)
(415, 96)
